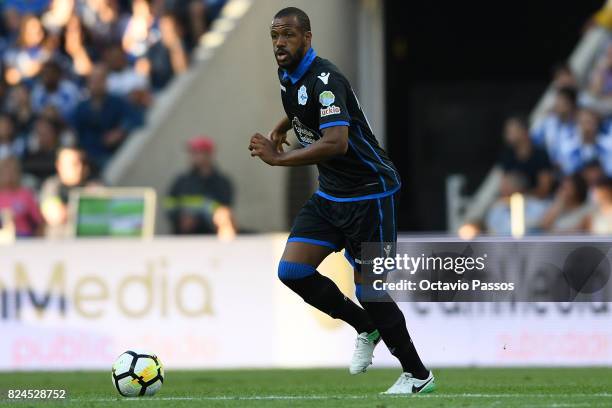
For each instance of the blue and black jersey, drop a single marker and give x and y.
(316, 96)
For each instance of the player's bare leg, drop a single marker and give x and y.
(297, 270)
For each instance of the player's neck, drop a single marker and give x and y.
(295, 73)
(295, 66)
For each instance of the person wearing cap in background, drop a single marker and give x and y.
(199, 200)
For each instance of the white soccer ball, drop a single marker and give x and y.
(137, 373)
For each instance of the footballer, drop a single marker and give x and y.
(356, 201)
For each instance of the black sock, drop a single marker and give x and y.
(322, 293)
(390, 322)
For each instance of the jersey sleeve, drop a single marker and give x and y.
(332, 94)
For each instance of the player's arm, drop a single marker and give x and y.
(333, 143)
(278, 134)
(283, 126)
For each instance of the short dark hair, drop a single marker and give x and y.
(570, 93)
(561, 67)
(54, 65)
(580, 185)
(593, 163)
(604, 182)
(519, 119)
(302, 17)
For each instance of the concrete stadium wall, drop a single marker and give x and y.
(229, 96)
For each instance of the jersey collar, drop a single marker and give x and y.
(299, 72)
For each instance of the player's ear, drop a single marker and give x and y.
(308, 37)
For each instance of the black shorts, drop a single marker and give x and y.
(347, 224)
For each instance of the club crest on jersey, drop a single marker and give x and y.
(302, 95)
(326, 98)
(330, 110)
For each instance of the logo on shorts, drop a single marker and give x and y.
(302, 95)
(326, 98)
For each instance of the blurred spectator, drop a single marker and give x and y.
(52, 89)
(195, 16)
(72, 171)
(600, 86)
(122, 78)
(24, 60)
(4, 88)
(557, 127)
(65, 132)
(599, 221)
(19, 200)
(41, 162)
(592, 172)
(76, 46)
(498, 218)
(569, 208)
(139, 100)
(54, 92)
(587, 145)
(563, 77)
(191, 14)
(57, 16)
(101, 121)
(141, 30)
(10, 20)
(198, 201)
(20, 107)
(10, 144)
(521, 156)
(601, 77)
(101, 18)
(167, 57)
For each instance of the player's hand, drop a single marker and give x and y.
(279, 138)
(264, 149)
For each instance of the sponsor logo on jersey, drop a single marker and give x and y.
(302, 95)
(304, 134)
(324, 77)
(326, 98)
(330, 110)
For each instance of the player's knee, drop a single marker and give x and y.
(288, 271)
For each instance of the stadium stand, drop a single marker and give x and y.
(84, 73)
(568, 147)
(99, 75)
(220, 98)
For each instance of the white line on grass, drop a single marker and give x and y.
(561, 404)
(338, 397)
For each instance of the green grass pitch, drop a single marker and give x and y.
(466, 387)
